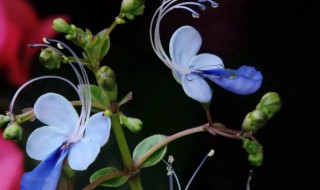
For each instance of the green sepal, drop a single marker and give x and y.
(126, 99)
(146, 145)
(113, 182)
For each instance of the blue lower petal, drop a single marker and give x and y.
(215, 73)
(46, 175)
(245, 80)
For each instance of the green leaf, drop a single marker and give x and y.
(98, 95)
(147, 144)
(113, 182)
(105, 46)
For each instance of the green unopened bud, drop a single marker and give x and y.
(133, 7)
(60, 25)
(12, 132)
(106, 78)
(251, 146)
(133, 124)
(50, 58)
(4, 119)
(270, 104)
(254, 120)
(107, 112)
(256, 159)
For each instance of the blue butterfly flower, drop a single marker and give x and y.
(65, 136)
(191, 69)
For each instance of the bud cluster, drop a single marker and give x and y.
(254, 150)
(95, 46)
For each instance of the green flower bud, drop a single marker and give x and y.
(50, 58)
(133, 7)
(256, 159)
(60, 25)
(254, 120)
(12, 132)
(4, 119)
(251, 146)
(270, 104)
(133, 124)
(106, 78)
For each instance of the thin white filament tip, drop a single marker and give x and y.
(211, 153)
(170, 159)
(213, 4)
(59, 46)
(198, 168)
(44, 39)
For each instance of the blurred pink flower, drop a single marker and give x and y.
(11, 165)
(19, 26)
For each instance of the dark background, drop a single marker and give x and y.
(280, 38)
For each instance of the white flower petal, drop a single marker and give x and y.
(98, 129)
(196, 88)
(82, 154)
(55, 110)
(206, 61)
(43, 141)
(184, 44)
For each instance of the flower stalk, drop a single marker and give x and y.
(134, 180)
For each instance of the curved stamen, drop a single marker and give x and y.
(80, 80)
(85, 91)
(166, 7)
(31, 81)
(84, 95)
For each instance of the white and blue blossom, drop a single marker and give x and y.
(190, 68)
(67, 135)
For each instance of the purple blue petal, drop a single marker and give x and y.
(46, 175)
(245, 80)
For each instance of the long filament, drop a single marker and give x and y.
(85, 92)
(198, 168)
(31, 81)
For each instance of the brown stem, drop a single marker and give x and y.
(104, 178)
